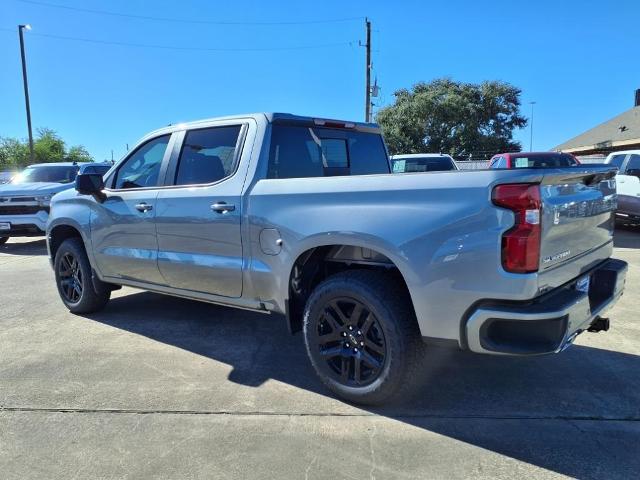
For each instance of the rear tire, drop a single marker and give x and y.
(362, 337)
(3, 240)
(73, 275)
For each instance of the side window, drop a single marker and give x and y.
(142, 168)
(633, 164)
(617, 160)
(208, 155)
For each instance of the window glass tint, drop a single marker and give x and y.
(142, 168)
(633, 163)
(334, 152)
(552, 160)
(101, 169)
(298, 151)
(208, 155)
(500, 162)
(47, 174)
(424, 164)
(617, 160)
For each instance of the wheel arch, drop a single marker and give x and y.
(315, 262)
(58, 233)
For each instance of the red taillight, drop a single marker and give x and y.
(520, 244)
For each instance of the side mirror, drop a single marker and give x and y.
(90, 184)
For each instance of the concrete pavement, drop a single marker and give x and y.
(159, 387)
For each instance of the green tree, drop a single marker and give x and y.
(47, 147)
(78, 154)
(461, 119)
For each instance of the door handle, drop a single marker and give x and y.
(144, 207)
(223, 207)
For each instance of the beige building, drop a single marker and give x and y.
(619, 133)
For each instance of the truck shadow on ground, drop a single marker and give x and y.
(536, 410)
(28, 248)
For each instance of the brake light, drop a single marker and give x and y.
(520, 244)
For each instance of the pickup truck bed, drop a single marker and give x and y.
(301, 217)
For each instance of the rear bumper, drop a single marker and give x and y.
(25, 225)
(547, 324)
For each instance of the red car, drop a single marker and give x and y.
(533, 160)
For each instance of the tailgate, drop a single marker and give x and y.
(577, 213)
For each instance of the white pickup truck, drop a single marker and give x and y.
(628, 181)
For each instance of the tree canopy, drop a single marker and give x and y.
(462, 119)
(47, 147)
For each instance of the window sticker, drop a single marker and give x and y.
(522, 162)
(399, 166)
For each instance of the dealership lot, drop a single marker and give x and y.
(167, 388)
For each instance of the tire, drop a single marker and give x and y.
(3, 240)
(389, 347)
(73, 278)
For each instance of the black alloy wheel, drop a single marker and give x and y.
(351, 342)
(71, 280)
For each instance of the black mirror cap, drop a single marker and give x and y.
(89, 184)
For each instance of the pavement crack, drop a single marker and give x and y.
(372, 453)
(373, 414)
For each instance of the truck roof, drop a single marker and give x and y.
(66, 164)
(275, 117)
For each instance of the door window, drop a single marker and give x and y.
(633, 165)
(617, 160)
(208, 155)
(142, 168)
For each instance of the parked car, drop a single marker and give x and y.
(301, 217)
(24, 202)
(422, 162)
(628, 183)
(533, 160)
(6, 176)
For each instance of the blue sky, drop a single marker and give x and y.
(578, 59)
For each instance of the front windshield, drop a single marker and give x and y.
(48, 174)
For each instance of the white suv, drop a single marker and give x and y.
(628, 183)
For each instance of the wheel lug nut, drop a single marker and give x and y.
(355, 350)
(344, 334)
(348, 345)
(350, 327)
(362, 344)
(359, 332)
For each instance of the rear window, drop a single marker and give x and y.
(542, 161)
(422, 164)
(300, 151)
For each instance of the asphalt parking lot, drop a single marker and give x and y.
(159, 387)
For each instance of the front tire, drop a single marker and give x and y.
(73, 279)
(362, 337)
(3, 240)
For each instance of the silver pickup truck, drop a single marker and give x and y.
(25, 199)
(301, 217)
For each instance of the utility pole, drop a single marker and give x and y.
(367, 114)
(531, 127)
(21, 28)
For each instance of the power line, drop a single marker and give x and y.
(186, 48)
(178, 20)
